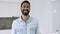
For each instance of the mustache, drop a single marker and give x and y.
(25, 10)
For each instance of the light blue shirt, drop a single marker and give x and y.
(20, 27)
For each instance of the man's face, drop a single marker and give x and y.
(25, 9)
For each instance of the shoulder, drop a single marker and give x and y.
(15, 21)
(34, 20)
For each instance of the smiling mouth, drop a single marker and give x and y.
(25, 11)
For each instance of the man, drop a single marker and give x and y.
(25, 24)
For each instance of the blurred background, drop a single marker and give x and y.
(46, 11)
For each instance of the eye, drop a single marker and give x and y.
(28, 6)
(23, 6)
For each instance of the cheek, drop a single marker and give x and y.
(29, 9)
(21, 8)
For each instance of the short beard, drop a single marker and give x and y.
(25, 13)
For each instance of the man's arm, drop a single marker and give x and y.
(38, 29)
(13, 29)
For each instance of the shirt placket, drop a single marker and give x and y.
(25, 27)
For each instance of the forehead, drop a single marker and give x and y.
(25, 4)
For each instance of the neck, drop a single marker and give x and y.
(25, 18)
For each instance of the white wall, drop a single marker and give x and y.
(9, 9)
(5, 31)
(56, 15)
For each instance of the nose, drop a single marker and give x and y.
(26, 8)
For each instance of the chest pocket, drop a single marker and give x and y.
(32, 28)
(20, 30)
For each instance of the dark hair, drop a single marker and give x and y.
(25, 2)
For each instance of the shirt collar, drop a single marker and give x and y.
(29, 20)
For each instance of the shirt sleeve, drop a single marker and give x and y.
(13, 28)
(38, 29)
